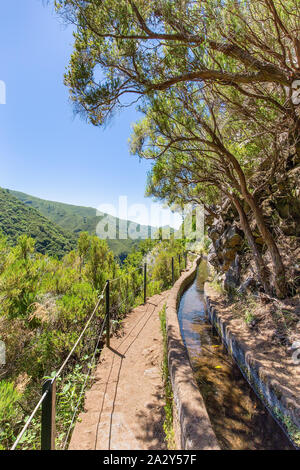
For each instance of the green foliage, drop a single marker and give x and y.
(216, 284)
(162, 268)
(249, 317)
(216, 89)
(290, 426)
(200, 246)
(168, 422)
(100, 257)
(45, 304)
(25, 246)
(19, 281)
(9, 396)
(83, 247)
(148, 46)
(79, 219)
(18, 219)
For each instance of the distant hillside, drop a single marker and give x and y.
(77, 219)
(17, 218)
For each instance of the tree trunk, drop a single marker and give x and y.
(278, 267)
(260, 265)
(279, 270)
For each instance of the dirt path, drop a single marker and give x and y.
(124, 409)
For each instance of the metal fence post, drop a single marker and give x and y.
(107, 315)
(48, 416)
(185, 256)
(145, 283)
(172, 270)
(179, 261)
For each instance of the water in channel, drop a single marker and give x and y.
(239, 419)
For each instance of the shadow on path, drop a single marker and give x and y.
(150, 308)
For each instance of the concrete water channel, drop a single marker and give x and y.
(238, 417)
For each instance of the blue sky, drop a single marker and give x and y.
(44, 150)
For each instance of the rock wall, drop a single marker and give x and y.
(280, 204)
(226, 249)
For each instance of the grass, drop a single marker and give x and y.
(168, 423)
(216, 285)
(291, 428)
(249, 317)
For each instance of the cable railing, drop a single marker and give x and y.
(47, 401)
(48, 398)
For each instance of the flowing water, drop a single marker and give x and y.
(239, 419)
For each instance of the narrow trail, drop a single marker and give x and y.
(124, 409)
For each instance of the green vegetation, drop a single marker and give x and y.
(81, 219)
(44, 305)
(17, 218)
(168, 423)
(216, 284)
(291, 428)
(249, 317)
(9, 397)
(220, 122)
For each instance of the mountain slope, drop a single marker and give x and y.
(16, 218)
(78, 218)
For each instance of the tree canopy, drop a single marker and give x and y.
(135, 46)
(216, 82)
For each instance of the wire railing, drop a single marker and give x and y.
(47, 400)
(113, 311)
(83, 387)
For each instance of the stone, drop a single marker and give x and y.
(232, 237)
(249, 284)
(259, 241)
(283, 209)
(214, 234)
(209, 219)
(229, 255)
(232, 279)
(212, 258)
